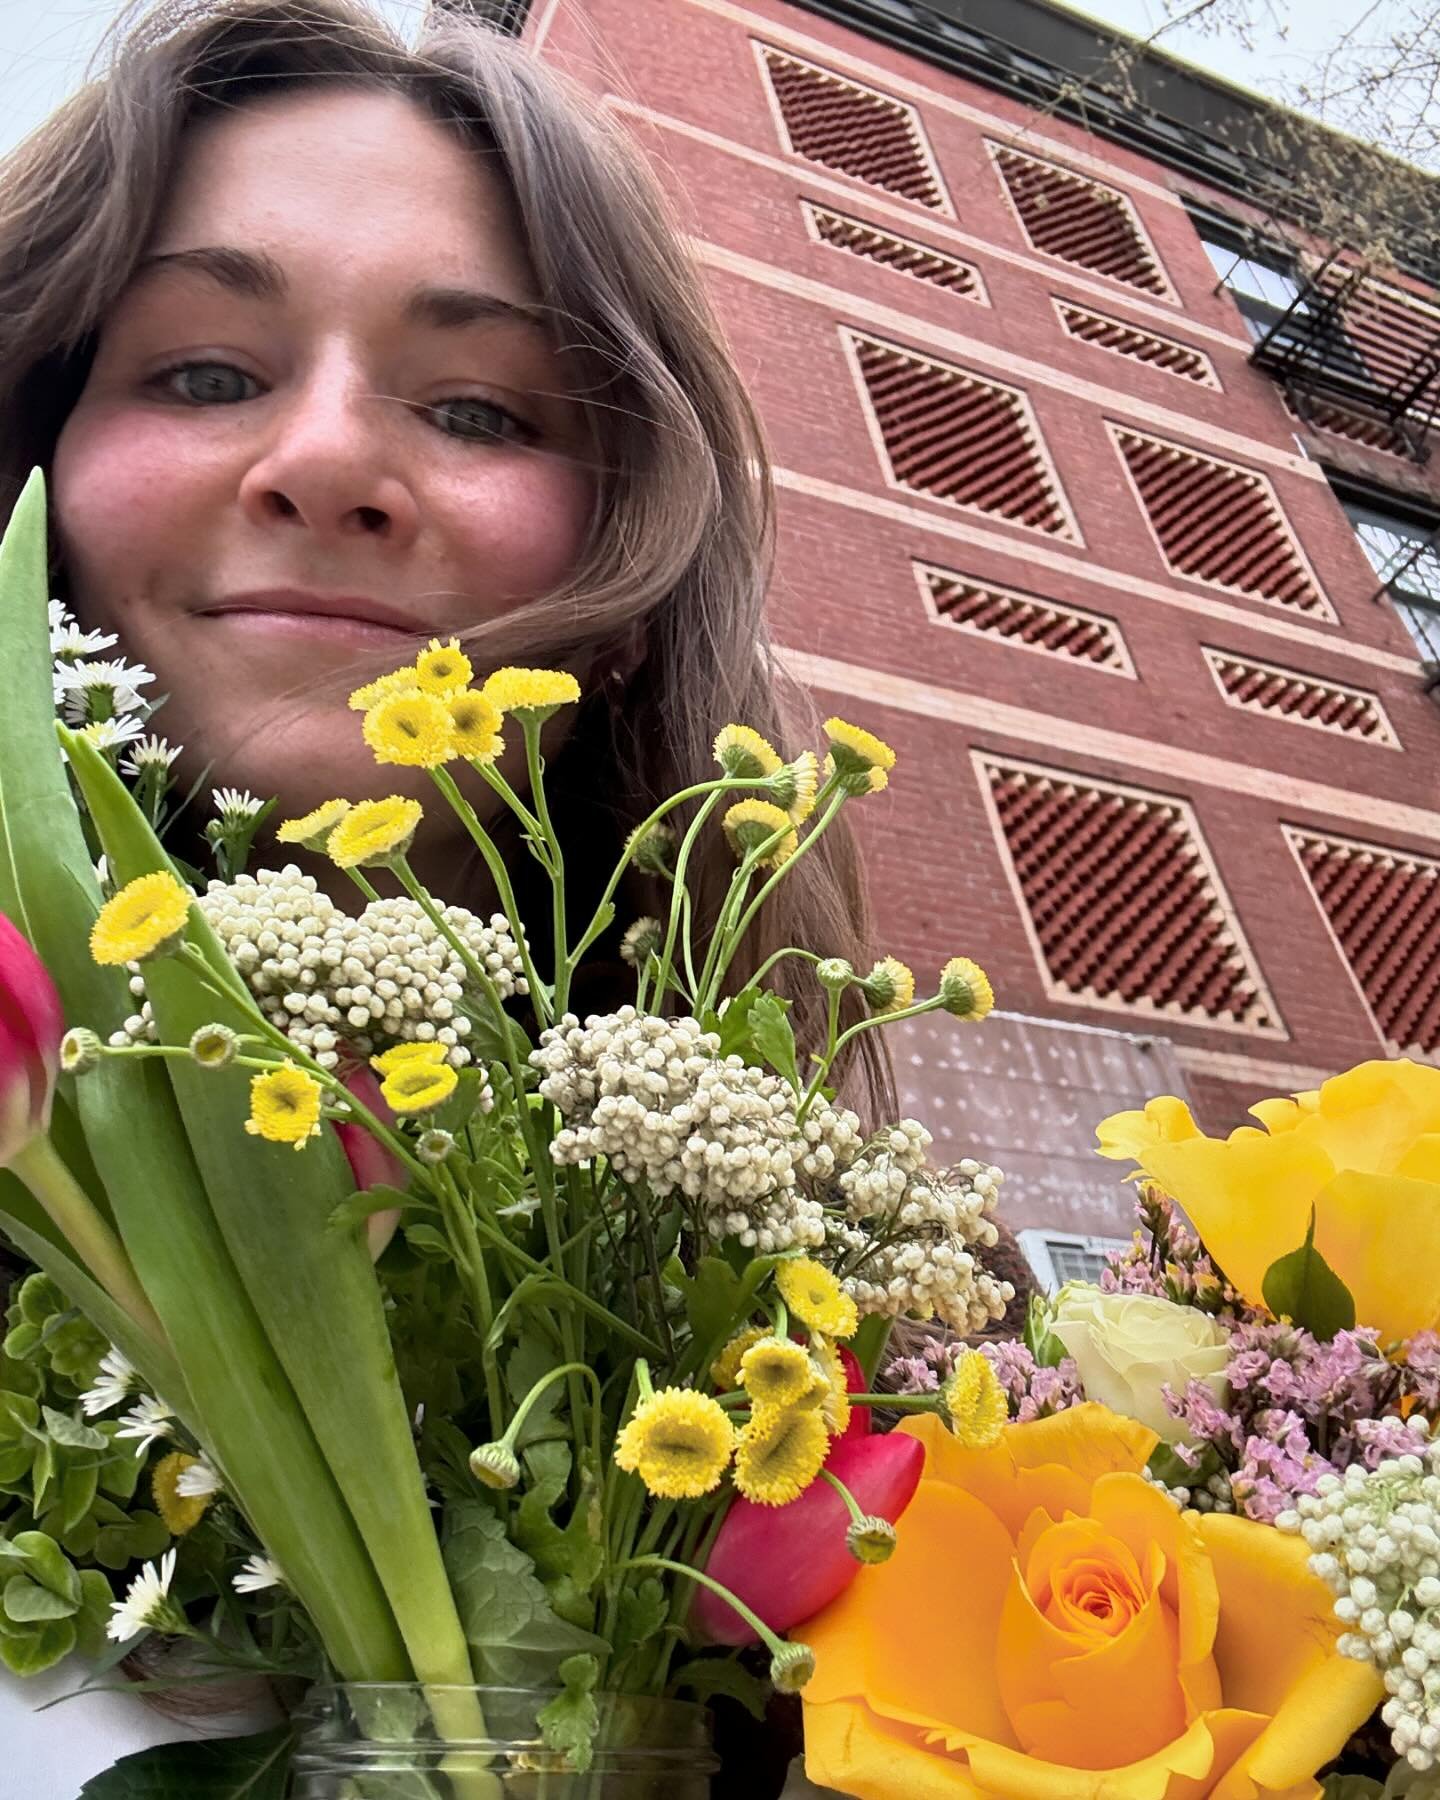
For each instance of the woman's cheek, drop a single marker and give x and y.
(526, 529)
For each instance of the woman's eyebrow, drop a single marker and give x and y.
(258, 276)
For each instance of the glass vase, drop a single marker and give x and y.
(395, 1741)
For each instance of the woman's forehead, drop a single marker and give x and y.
(346, 180)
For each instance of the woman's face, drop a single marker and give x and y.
(324, 417)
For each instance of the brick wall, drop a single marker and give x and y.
(854, 525)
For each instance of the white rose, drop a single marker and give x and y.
(1128, 1347)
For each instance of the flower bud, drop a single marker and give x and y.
(791, 1667)
(834, 974)
(214, 1046)
(652, 849)
(80, 1051)
(965, 990)
(641, 941)
(31, 1027)
(870, 1540)
(434, 1146)
(495, 1465)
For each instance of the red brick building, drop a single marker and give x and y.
(1103, 572)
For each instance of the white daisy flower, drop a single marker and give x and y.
(116, 1381)
(121, 680)
(520, 1209)
(58, 614)
(233, 806)
(110, 734)
(69, 643)
(258, 1574)
(147, 1606)
(199, 1480)
(150, 753)
(147, 1423)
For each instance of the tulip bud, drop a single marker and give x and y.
(371, 1163)
(787, 1562)
(31, 1027)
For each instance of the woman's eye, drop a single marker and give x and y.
(206, 383)
(480, 421)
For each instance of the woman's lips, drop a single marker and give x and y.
(325, 628)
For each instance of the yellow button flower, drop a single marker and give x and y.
(816, 1297)
(475, 725)
(413, 730)
(144, 919)
(679, 1442)
(418, 1084)
(1050, 1627)
(284, 1106)
(531, 693)
(780, 1453)
(374, 831)
(442, 668)
(750, 824)
(1364, 1151)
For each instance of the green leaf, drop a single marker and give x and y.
(426, 1241)
(1303, 1287)
(26, 1603)
(358, 1207)
(46, 1563)
(32, 1649)
(568, 1723)
(712, 1296)
(96, 1600)
(248, 1768)
(1040, 1341)
(73, 1434)
(639, 1614)
(708, 1676)
(515, 1634)
(1351, 1787)
(773, 1038)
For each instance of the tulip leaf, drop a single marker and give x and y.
(1303, 1287)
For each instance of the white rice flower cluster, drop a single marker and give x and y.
(140, 1027)
(929, 1228)
(656, 1099)
(321, 976)
(1375, 1539)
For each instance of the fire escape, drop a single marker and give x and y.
(1357, 354)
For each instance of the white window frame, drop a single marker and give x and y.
(1037, 1245)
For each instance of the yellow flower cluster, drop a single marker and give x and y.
(680, 1442)
(416, 1076)
(427, 713)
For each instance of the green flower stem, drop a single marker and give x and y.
(832, 1029)
(852, 1505)
(363, 884)
(470, 1257)
(900, 1402)
(499, 874)
(535, 764)
(40, 1166)
(778, 956)
(735, 936)
(547, 1380)
(492, 774)
(772, 1642)
(874, 1020)
(476, 970)
(680, 898)
(723, 784)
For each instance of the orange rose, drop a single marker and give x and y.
(1050, 1627)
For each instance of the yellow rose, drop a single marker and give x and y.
(1050, 1627)
(1364, 1151)
(1128, 1347)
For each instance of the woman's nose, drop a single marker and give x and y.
(331, 464)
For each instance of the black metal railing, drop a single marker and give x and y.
(1348, 339)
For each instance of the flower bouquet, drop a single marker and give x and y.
(1202, 1554)
(499, 1378)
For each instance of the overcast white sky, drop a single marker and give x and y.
(44, 46)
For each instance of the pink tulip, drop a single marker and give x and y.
(786, 1562)
(371, 1163)
(31, 1026)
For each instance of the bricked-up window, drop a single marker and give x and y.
(1081, 221)
(1301, 699)
(1122, 903)
(902, 254)
(1025, 621)
(1219, 523)
(1135, 342)
(1384, 908)
(954, 435)
(857, 130)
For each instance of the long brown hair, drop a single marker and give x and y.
(678, 554)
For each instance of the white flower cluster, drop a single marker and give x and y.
(1375, 1539)
(656, 1099)
(909, 1236)
(321, 976)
